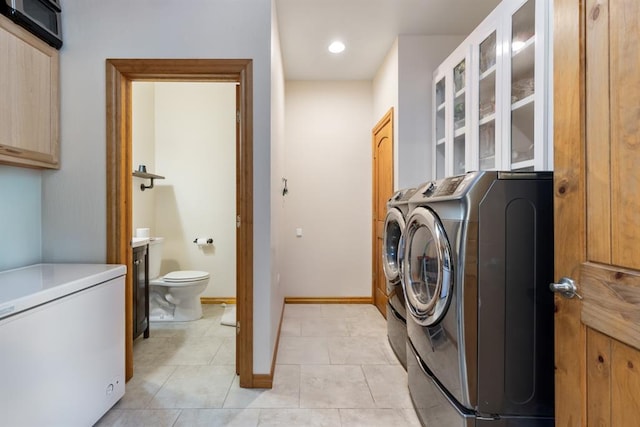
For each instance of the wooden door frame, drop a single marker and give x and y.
(120, 73)
(387, 118)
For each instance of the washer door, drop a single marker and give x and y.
(426, 267)
(393, 228)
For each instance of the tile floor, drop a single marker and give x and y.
(335, 368)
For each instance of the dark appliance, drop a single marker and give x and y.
(40, 17)
(477, 261)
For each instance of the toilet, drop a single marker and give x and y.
(176, 295)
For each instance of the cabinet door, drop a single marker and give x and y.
(29, 101)
(439, 125)
(486, 114)
(452, 155)
(525, 48)
(460, 159)
(140, 292)
(491, 104)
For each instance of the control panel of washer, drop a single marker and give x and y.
(452, 186)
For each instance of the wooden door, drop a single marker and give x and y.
(382, 191)
(597, 211)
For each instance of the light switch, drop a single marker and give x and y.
(298, 232)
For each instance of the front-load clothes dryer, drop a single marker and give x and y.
(397, 211)
(477, 258)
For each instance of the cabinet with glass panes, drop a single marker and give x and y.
(509, 110)
(451, 112)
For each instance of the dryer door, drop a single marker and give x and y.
(426, 267)
(393, 228)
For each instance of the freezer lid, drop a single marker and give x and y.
(27, 287)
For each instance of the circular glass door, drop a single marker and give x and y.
(426, 267)
(393, 228)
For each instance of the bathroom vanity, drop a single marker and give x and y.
(62, 338)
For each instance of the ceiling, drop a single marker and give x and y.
(367, 27)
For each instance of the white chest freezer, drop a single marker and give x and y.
(61, 343)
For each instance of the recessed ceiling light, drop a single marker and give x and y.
(336, 47)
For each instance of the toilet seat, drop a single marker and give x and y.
(180, 278)
(185, 276)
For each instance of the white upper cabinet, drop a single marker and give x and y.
(507, 104)
(452, 98)
(486, 116)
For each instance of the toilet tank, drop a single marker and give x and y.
(155, 256)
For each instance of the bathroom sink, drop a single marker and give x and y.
(139, 241)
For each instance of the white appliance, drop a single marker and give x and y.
(61, 343)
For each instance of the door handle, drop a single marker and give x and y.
(567, 288)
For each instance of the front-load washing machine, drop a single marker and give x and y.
(397, 211)
(477, 258)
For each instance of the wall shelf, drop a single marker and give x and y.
(146, 175)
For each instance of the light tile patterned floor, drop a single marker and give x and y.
(335, 368)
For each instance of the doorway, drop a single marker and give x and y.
(120, 73)
(382, 190)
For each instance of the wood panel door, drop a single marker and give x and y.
(382, 191)
(597, 204)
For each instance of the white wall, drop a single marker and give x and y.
(143, 152)
(74, 198)
(403, 82)
(418, 57)
(277, 172)
(20, 217)
(196, 153)
(194, 149)
(328, 167)
(385, 96)
(385, 88)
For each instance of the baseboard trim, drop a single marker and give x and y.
(266, 380)
(328, 300)
(217, 300)
(262, 381)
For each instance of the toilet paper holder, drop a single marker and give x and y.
(203, 241)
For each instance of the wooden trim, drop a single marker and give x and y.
(266, 380)
(263, 380)
(217, 300)
(610, 303)
(387, 118)
(328, 300)
(598, 129)
(119, 75)
(569, 199)
(244, 233)
(119, 216)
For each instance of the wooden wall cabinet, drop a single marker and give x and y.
(500, 118)
(29, 101)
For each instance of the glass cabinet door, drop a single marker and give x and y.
(487, 88)
(523, 53)
(440, 127)
(459, 118)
